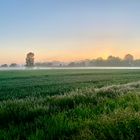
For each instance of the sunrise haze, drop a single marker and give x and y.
(68, 30)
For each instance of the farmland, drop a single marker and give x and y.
(69, 104)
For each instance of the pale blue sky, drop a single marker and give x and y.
(52, 28)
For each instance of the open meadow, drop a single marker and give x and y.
(70, 104)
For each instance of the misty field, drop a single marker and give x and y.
(70, 104)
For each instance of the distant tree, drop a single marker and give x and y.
(110, 58)
(92, 62)
(72, 64)
(30, 59)
(87, 62)
(99, 61)
(137, 63)
(113, 61)
(44, 64)
(4, 65)
(13, 65)
(129, 59)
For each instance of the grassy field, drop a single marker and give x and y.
(70, 104)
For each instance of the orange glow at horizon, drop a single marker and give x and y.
(69, 50)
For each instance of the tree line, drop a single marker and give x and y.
(29, 61)
(111, 61)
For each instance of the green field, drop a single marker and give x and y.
(70, 104)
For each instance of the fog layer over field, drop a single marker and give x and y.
(63, 68)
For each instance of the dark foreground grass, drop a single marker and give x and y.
(70, 104)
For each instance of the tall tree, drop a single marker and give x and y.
(30, 59)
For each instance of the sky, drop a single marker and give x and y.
(68, 30)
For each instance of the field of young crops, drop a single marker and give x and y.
(70, 104)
